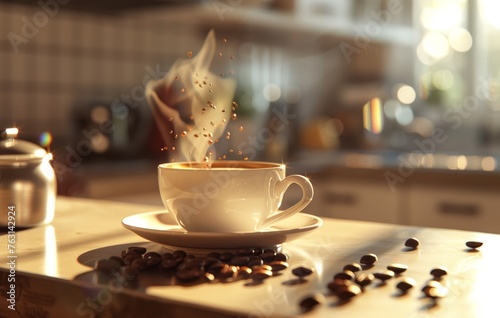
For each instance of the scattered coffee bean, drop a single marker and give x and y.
(129, 259)
(209, 261)
(278, 266)
(216, 268)
(136, 250)
(150, 255)
(153, 262)
(265, 267)
(260, 274)
(226, 257)
(166, 256)
(434, 289)
(431, 284)
(353, 267)
(368, 259)
(239, 260)
(439, 272)
(268, 257)
(281, 257)
(255, 262)
(129, 272)
(209, 277)
(302, 271)
(258, 251)
(139, 264)
(310, 302)
(412, 242)
(179, 254)
(228, 272)
(364, 279)
(117, 259)
(169, 264)
(244, 272)
(244, 252)
(397, 268)
(188, 274)
(337, 283)
(347, 292)
(406, 284)
(107, 265)
(473, 244)
(384, 275)
(347, 275)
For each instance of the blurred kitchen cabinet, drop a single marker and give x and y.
(458, 207)
(348, 198)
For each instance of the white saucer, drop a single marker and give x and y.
(161, 227)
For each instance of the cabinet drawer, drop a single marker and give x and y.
(456, 208)
(355, 200)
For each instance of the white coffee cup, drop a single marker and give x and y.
(230, 196)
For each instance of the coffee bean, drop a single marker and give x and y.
(397, 268)
(106, 265)
(129, 272)
(169, 264)
(239, 260)
(347, 292)
(473, 244)
(117, 259)
(364, 279)
(136, 250)
(310, 302)
(179, 254)
(412, 242)
(406, 284)
(255, 262)
(139, 264)
(226, 257)
(368, 259)
(150, 255)
(188, 274)
(281, 257)
(216, 268)
(337, 283)
(244, 252)
(353, 267)
(268, 257)
(153, 262)
(244, 272)
(302, 271)
(228, 272)
(209, 277)
(269, 250)
(435, 290)
(278, 266)
(384, 275)
(347, 275)
(131, 258)
(209, 261)
(191, 263)
(265, 267)
(260, 274)
(258, 251)
(439, 272)
(166, 256)
(213, 255)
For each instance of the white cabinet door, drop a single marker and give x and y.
(368, 200)
(454, 207)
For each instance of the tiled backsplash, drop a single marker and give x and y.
(49, 65)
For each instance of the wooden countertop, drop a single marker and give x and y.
(51, 279)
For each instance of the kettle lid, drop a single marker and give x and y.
(14, 151)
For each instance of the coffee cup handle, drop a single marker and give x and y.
(280, 188)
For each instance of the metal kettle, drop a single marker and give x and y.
(27, 184)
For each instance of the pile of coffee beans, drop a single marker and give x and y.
(255, 264)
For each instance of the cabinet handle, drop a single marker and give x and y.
(340, 198)
(465, 209)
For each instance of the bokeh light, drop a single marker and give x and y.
(460, 39)
(271, 92)
(373, 116)
(443, 79)
(406, 94)
(45, 139)
(435, 44)
(404, 115)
